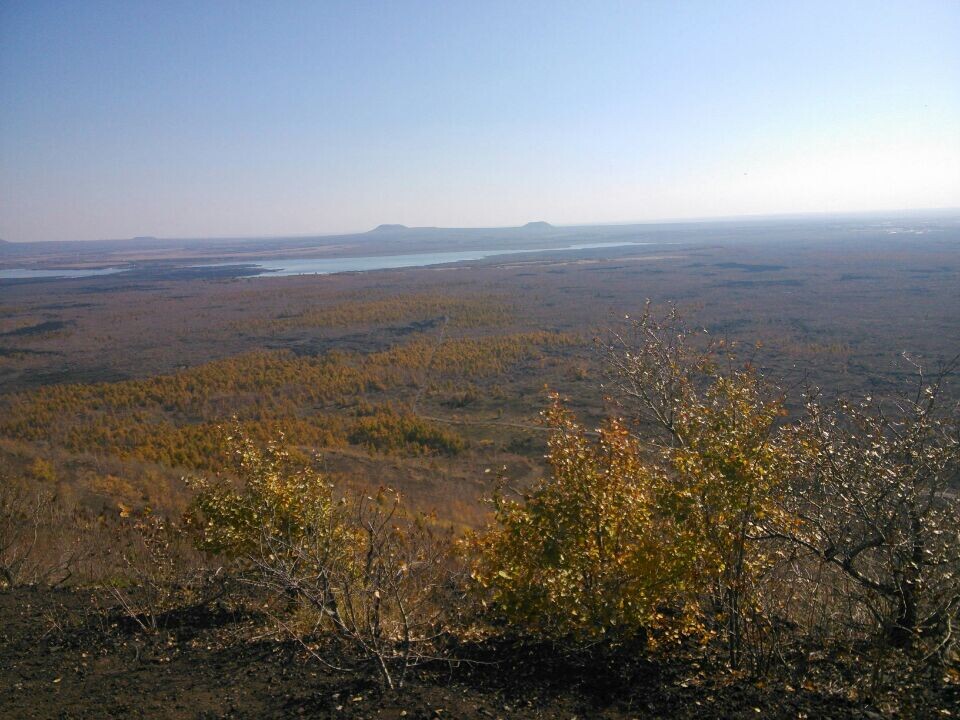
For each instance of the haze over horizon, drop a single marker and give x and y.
(950, 213)
(273, 119)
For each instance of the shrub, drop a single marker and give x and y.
(585, 555)
(153, 570)
(712, 426)
(873, 497)
(39, 539)
(361, 568)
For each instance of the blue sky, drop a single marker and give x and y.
(250, 118)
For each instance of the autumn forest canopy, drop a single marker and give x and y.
(750, 480)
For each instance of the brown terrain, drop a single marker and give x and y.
(114, 387)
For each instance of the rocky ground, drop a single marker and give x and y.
(61, 659)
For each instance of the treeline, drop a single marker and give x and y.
(172, 419)
(381, 429)
(470, 358)
(461, 312)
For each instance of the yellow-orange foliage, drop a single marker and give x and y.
(172, 419)
(463, 312)
(586, 554)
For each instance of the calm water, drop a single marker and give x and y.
(325, 266)
(24, 274)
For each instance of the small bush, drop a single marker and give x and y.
(360, 568)
(585, 556)
(40, 542)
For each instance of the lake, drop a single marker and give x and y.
(326, 266)
(26, 274)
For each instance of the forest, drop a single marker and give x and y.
(525, 491)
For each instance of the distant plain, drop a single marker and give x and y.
(461, 354)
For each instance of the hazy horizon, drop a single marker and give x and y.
(906, 213)
(175, 120)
